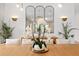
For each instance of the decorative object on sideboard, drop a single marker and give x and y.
(5, 32)
(14, 18)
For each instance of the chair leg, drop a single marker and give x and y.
(54, 41)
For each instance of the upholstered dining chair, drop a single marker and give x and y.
(27, 41)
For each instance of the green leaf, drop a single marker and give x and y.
(6, 31)
(72, 29)
(61, 33)
(72, 35)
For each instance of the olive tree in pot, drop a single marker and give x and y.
(5, 32)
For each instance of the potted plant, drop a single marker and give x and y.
(67, 35)
(39, 44)
(5, 32)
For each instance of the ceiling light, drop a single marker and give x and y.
(21, 9)
(45, 18)
(60, 5)
(17, 5)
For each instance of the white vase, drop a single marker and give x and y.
(36, 47)
(43, 47)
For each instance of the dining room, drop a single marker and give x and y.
(39, 29)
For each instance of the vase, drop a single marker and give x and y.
(38, 48)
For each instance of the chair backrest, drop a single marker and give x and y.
(27, 41)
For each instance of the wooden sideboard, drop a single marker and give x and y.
(25, 50)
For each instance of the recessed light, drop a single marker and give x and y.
(17, 5)
(21, 9)
(45, 18)
(60, 5)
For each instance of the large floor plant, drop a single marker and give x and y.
(6, 31)
(67, 28)
(67, 31)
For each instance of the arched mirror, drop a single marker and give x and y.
(49, 17)
(39, 11)
(40, 14)
(29, 15)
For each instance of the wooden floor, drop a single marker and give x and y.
(25, 50)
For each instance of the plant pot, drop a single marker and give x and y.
(2, 41)
(71, 41)
(38, 48)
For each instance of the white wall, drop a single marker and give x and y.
(66, 10)
(77, 21)
(12, 10)
(1, 13)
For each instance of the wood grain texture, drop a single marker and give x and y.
(25, 50)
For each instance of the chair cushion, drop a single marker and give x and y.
(12, 41)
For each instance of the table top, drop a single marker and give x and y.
(26, 50)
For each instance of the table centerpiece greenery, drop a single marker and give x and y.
(39, 44)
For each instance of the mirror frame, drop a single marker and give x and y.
(35, 13)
